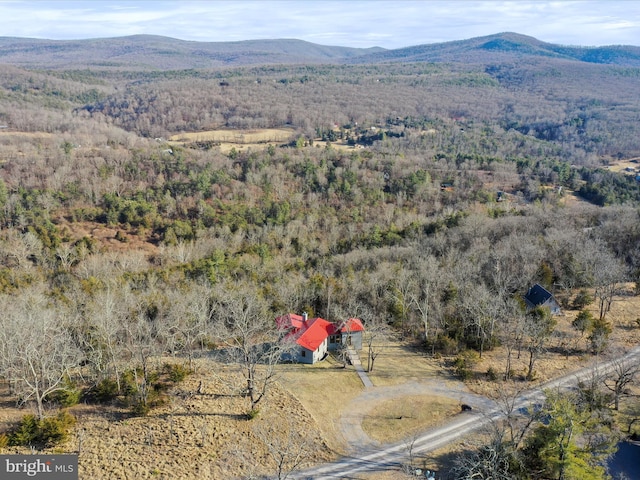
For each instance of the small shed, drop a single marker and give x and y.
(538, 296)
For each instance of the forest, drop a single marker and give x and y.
(423, 198)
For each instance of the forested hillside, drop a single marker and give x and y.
(425, 196)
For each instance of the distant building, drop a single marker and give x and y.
(538, 296)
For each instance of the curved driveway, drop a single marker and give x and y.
(351, 421)
(365, 455)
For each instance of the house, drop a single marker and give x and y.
(315, 337)
(346, 333)
(538, 296)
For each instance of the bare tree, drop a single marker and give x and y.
(539, 327)
(188, 319)
(622, 375)
(102, 339)
(425, 298)
(376, 333)
(490, 461)
(602, 271)
(243, 324)
(511, 331)
(400, 294)
(38, 350)
(141, 345)
(610, 273)
(482, 308)
(286, 446)
(515, 426)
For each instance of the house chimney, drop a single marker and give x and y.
(305, 316)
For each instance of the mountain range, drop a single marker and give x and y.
(149, 52)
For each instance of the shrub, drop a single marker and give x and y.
(105, 391)
(253, 413)
(4, 440)
(54, 430)
(68, 397)
(141, 408)
(448, 345)
(44, 432)
(583, 322)
(26, 431)
(492, 375)
(464, 363)
(176, 372)
(121, 237)
(582, 300)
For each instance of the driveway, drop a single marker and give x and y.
(351, 422)
(366, 455)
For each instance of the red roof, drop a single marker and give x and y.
(316, 332)
(312, 333)
(350, 326)
(290, 321)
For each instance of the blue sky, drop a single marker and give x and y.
(355, 23)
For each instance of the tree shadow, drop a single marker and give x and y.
(231, 416)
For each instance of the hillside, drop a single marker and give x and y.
(504, 47)
(149, 52)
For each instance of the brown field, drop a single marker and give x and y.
(324, 389)
(622, 165)
(105, 236)
(238, 137)
(398, 418)
(256, 139)
(193, 436)
(13, 133)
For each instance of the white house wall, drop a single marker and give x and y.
(320, 352)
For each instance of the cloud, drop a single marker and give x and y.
(359, 23)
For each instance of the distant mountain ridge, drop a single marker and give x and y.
(165, 53)
(505, 46)
(150, 52)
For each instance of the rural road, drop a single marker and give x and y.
(373, 458)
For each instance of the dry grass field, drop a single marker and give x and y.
(629, 166)
(323, 389)
(255, 139)
(400, 362)
(393, 420)
(226, 139)
(195, 435)
(255, 136)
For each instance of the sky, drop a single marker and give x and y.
(352, 23)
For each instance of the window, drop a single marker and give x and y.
(304, 353)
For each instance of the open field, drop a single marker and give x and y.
(629, 166)
(240, 137)
(393, 420)
(225, 140)
(400, 362)
(195, 435)
(324, 389)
